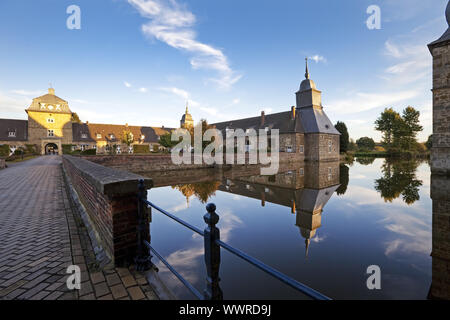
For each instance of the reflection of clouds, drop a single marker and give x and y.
(318, 239)
(360, 195)
(185, 261)
(414, 234)
(179, 207)
(359, 176)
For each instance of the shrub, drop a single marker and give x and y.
(380, 149)
(4, 150)
(141, 148)
(89, 152)
(67, 148)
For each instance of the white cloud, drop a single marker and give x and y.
(127, 84)
(143, 90)
(318, 58)
(28, 93)
(362, 101)
(236, 101)
(173, 24)
(178, 92)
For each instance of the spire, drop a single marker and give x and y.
(187, 102)
(306, 72)
(306, 247)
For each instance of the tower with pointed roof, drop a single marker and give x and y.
(186, 121)
(321, 137)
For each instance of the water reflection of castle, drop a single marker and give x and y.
(303, 187)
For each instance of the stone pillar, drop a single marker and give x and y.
(440, 152)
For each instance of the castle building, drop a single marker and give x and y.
(305, 130)
(49, 128)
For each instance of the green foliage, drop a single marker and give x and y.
(166, 141)
(399, 179)
(31, 149)
(344, 138)
(89, 152)
(343, 179)
(365, 161)
(67, 148)
(141, 148)
(127, 137)
(4, 150)
(352, 146)
(365, 143)
(399, 131)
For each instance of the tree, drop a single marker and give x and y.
(365, 143)
(352, 145)
(166, 141)
(204, 126)
(412, 126)
(429, 143)
(127, 137)
(75, 118)
(344, 138)
(386, 123)
(343, 179)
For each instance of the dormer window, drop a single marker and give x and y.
(84, 135)
(12, 134)
(142, 137)
(112, 137)
(99, 136)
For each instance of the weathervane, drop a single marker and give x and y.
(306, 72)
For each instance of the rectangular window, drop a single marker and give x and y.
(289, 149)
(50, 133)
(50, 120)
(83, 135)
(330, 174)
(12, 134)
(99, 136)
(112, 137)
(302, 148)
(302, 171)
(330, 146)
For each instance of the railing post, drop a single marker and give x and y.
(143, 257)
(212, 254)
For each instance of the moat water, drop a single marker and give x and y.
(321, 226)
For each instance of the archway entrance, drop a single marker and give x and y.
(51, 148)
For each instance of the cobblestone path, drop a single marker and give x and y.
(40, 236)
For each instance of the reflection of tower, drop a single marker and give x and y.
(186, 120)
(440, 194)
(309, 211)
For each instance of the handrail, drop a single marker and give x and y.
(275, 273)
(187, 225)
(194, 291)
(212, 244)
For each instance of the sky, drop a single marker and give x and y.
(139, 61)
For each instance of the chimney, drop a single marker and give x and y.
(263, 117)
(293, 113)
(51, 91)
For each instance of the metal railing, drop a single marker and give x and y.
(212, 245)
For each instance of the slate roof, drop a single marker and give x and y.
(105, 130)
(446, 36)
(307, 120)
(52, 103)
(20, 127)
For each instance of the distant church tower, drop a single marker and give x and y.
(186, 120)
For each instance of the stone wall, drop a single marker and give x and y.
(440, 193)
(109, 197)
(317, 147)
(440, 153)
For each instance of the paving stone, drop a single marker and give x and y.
(101, 289)
(119, 291)
(113, 279)
(97, 277)
(129, 281)
(136, 293)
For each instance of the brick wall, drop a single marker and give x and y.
(110, 198)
